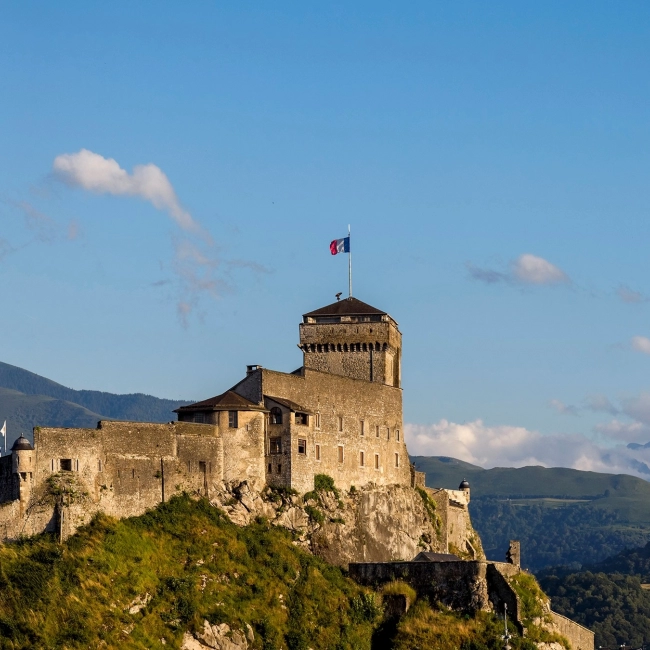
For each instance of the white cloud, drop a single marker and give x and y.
(624, 431)
(512, 446)
(94, 173)
(562, 408)
(629, 295)
(526, 269)
(641, 344)
(601, 403)
(531, 269)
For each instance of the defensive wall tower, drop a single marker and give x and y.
(353, 339)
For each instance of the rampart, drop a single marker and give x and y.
(578, 636)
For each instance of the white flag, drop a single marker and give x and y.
(3, 431)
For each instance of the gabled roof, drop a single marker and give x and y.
(347, 307)
(292, 406)
(228, 401)
(427, 556)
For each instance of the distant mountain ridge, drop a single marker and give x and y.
(28, 400)
(561, 515)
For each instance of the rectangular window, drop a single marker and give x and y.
(302, 418)
(363, 427)
(189, 466)
(340, 454)
(233, 420)
(302, 446)
(397, 434)
(270, 468)
(362, 458)
(99, 465)
(317, 423)
(317, 452)
(275, 446)
(377, 431)
(199, 418)
(387, 433)
(132, 473)
(203, 467)
(66, 464)
(396, 460)
(376, 461)
(279, 468)
(340, 423)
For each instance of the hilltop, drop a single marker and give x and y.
(145, 582)
(28, 400)
(561, 515)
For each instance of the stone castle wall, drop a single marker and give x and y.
(337, 407)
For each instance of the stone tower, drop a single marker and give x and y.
(23, 467)
(353, 339)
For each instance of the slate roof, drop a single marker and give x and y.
(347, 307)
(426, 556)
(292, 406)
(228, 401)
(22, 444)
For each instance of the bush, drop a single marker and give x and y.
(399, 588)
(324, 483)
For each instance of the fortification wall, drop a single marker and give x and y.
(578, 636)
(342, 404)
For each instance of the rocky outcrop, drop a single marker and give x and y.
(368, 524)
(219, 637)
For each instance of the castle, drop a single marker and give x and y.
(339, 414)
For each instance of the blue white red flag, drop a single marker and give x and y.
(340, 246)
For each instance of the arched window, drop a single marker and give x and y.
(276, 415)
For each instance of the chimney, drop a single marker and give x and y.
(252, 368)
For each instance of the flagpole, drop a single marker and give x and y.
(349, 263)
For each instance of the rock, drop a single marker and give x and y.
(219, 637)
(139, 603)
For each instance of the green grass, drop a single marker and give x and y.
(195, 565)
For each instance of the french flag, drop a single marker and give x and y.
(340, 246)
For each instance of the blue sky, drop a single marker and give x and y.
(454, 138)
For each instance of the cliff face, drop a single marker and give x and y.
(369, 524)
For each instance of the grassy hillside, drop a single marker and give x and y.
(561, 516)
(186, 563)
(136, 406)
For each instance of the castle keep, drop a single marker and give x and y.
(339, 414)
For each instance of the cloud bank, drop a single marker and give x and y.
(91, 171)
(527, 269)
(512, 446)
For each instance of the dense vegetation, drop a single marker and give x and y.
(606, 597)
(561, 516)
(185, 562)
(28, 400)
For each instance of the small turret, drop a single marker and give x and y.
(22, 454)
(464, 487)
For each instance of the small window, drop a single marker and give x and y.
(397, 434)
(340, 423)
(270, 468)
(276, 415)
(132, 473)
(362, 429)
(396, 460)
(317, 420)
(189, 466)
(279, 468)
(340, 454)
(233, 419)
(302, 446)
(203, 467)
(376, 461)
(99, 465)
(66, 464)
(362, 458)
(275, 446)
(302, 418)
(377, 431)
(317, 452)
(387, 433)
(199, 418)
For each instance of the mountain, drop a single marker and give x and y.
(610, 597)
(560, 515)
(28, 400)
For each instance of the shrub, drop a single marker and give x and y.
(399, 588)
(324, 483)
(315, 515)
